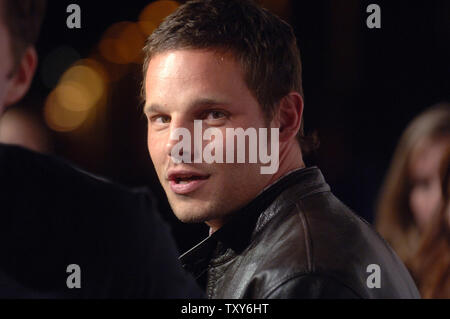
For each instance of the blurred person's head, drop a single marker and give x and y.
(23, 128)
(412, 189)
(230, 64)
(20, 22)
(430, 266)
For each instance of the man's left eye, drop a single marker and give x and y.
(215, 115)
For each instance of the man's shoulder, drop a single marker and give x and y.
(27, 172)
(53, 215)
(319, 239)
(18, 162)
(45, 190)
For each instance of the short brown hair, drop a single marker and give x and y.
(263, 44)
(23, 18)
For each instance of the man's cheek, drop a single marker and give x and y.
(152, 149)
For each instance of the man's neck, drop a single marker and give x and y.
(263, 196)
(290, 160)
(300, 166)
(282, 176)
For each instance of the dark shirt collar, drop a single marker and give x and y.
(236, 234)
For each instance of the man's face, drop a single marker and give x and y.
(6, 61)
(186, 85)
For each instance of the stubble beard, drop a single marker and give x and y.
(195, 215)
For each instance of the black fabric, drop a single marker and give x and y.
(297, 240)
(53, 215)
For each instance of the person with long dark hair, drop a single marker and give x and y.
(430, 265)
(412, 188)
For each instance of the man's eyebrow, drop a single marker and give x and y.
(153, 107)
(200, 102)
(207, 102)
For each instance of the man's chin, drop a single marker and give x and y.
(189, 218)
(192, 214)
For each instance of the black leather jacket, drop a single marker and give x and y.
(297, 240)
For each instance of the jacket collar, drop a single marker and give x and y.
(237, 233)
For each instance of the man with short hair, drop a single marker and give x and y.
(230, 65)
(65, 233)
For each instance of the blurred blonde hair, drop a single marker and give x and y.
(430, 266)
(394, 220)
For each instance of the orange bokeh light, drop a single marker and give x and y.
(154, 13)
(81, 88)
(61, 119)
(122, 43)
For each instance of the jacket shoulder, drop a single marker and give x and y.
(322, 242)
(311, 286)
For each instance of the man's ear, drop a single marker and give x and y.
(289, 116)
(21, 79)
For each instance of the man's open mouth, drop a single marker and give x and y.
(188, 179)
(183, 182)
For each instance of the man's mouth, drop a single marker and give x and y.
(185, 182)
(188, 179)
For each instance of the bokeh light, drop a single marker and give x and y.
(81, 88)
(112, 71)
(61, 119)
(122, 43)
(154, 13)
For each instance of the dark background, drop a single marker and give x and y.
(362, 87)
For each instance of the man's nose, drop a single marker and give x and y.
(180, 144)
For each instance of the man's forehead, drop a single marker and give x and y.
(201, 58)
(173, 64)
(194, 78)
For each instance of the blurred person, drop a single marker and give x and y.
(19, 127)
(230, 64)
(412, 188)
(430, 265)
(65, 233)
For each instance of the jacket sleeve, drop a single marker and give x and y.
(311, 286)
